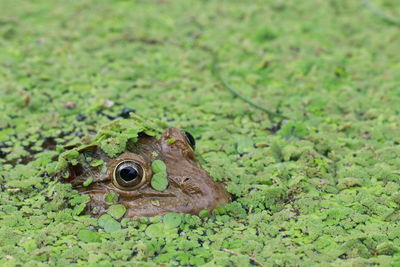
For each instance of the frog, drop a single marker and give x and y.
(150, 169)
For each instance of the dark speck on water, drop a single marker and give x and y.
(80, 117)
(125, 112)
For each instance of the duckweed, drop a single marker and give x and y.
(317, 186)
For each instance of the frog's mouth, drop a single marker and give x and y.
(102, 189)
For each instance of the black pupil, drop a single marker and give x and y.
(191, 140)
(128, 174)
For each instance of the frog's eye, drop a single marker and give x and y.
(190, 140)
(128, 174)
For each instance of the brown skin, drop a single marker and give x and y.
(190, 188)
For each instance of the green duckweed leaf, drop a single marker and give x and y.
(79, 209)
(155, 230)
(159, 181)
(109, 223)
(386, 248)
(293, 129)
(117, 211)
(244, 144)
(171, 141)
(29, 245)
(158, 166)
(71, 154)
(204, 213)
(172, 220)
(25, 183)
(114, 146)
(111, 197)
(88, 181)
(96, 163)
(88, 236)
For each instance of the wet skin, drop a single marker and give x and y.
(190, 188)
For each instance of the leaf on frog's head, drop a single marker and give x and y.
(114, 146)
(66, 158)
(113, 137)
(79, 164)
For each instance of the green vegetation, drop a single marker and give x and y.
(159, 180)
(321, 187)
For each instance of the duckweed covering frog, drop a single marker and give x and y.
(319, 189)
(149, 174)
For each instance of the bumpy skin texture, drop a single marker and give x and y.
(190, 188)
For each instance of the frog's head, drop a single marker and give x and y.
(151, 177)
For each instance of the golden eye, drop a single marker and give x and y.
(128, 174)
